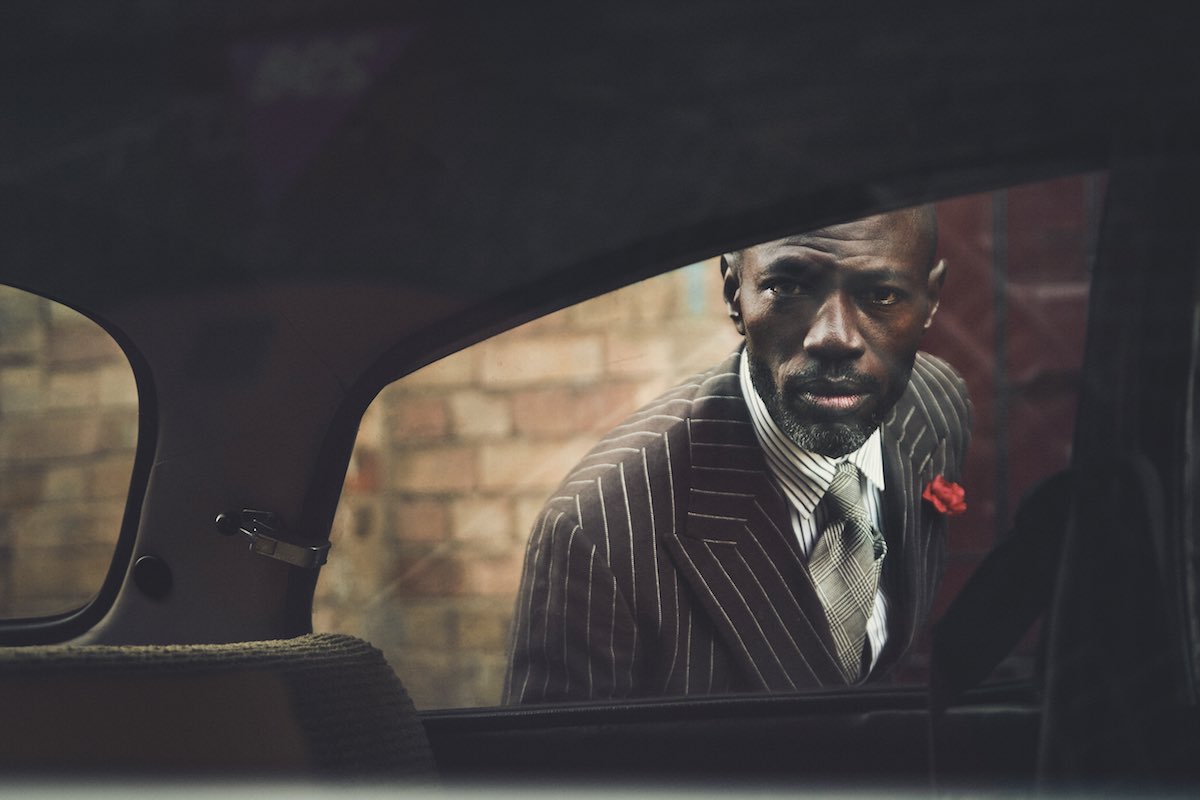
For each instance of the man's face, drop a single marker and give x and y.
(832, 320)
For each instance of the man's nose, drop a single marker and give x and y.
(833, 334)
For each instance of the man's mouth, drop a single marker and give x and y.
(834, 402)
(835, 396)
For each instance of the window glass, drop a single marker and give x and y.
(454, 463)
(68, 429)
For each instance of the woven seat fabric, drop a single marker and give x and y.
(352, 713)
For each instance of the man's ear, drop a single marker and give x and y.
(732, 289)
(937, 277)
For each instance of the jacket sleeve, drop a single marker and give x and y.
(573, 636)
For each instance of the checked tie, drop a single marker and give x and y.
(845, 568)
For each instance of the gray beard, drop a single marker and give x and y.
(829, 438)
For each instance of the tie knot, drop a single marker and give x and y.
(846, 490)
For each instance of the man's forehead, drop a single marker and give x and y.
(891, 235)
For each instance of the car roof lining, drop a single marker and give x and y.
(510, 161)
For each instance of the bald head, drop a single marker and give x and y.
(914, 228)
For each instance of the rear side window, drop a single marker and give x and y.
(455, 462)
(68, 429)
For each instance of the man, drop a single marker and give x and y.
(761, 527)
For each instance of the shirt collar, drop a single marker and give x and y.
(803, 476)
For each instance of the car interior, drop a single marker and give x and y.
(306, 307)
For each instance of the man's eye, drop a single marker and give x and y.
(883, 297)
(786, 288)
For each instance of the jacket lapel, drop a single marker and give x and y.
(912, 455)
(736, 550)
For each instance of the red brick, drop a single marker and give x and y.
(545, 411)
(615, 309)
(416, 418)
(633, 355)
(700, 345)
(456, 369)
(557, 359)
(363, 475)
(649, 302)
(427, 576)
(360, 519)
(485, 522)
(420, 520)
(499, 576)
(523, 465)
(434, 469)
(480, 415)
(568, 411)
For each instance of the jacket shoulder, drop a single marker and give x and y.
(938, 392)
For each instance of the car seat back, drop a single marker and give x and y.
(321, 705)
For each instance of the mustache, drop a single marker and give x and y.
(840, 380)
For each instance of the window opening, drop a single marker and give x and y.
(454, 462)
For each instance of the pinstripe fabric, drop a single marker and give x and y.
(665, 563)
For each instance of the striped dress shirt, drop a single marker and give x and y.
(804, 477)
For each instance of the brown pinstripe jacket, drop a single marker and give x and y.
(665, 563)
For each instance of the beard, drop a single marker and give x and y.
(818, 430)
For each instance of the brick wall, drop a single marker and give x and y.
(68, 427)
(453, 462)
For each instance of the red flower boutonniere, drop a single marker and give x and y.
(947, 496)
